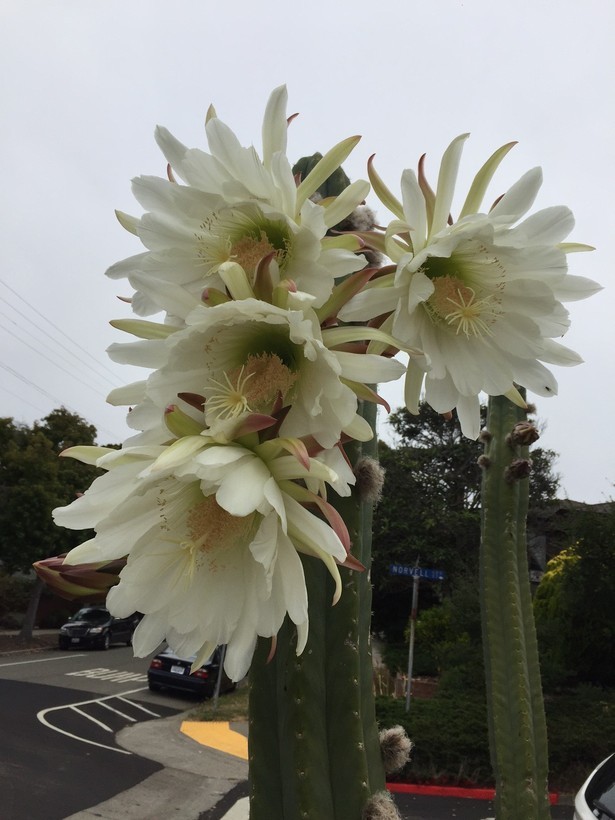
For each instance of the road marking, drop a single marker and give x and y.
(91, 717)
(113, 675)
(117, 712)
(138, 706)
(43, 660)
(217, 735)
(41, 716)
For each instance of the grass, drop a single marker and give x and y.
(230, 707)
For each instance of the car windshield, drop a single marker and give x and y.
(601, 791)
(93, 616)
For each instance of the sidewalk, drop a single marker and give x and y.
(195, 777)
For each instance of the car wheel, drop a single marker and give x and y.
(63, 644)
(106, 642)
(154, 687)
(129, 641)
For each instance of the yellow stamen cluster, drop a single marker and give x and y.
(458, 305)
(272, 378)
(252, 388)
(212, 532)
(249, 251)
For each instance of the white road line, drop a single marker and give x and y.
(41, 717)
(91, 717)
(43, 660)
(138, 706)
(117, 712)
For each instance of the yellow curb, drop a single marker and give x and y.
(217, 735)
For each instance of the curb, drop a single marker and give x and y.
(452, 791)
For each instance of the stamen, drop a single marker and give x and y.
(470, 316)
(249, 251)
(273, 379)
(466, 318)
(228, 400)
(212, 533)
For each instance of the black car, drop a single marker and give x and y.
(95, 627)
(168, 671)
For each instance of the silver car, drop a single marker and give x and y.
(596, 797)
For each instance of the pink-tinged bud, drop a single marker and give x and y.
(263, 283)
(289, 285)
(180, 423)
(212, 297)
(91, 581)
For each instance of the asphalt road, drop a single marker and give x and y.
(59, 715)
(88, 670)
(423, 807)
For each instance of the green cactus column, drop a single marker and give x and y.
(517, 727)
(313, 741)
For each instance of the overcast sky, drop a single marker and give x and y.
(84, 84)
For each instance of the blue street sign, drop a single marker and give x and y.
(417, 572)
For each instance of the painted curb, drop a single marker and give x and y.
(451, 791)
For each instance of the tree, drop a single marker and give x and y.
(430, 509)
(33, 480)
(574, 618)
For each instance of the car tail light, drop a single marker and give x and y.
(155, 664)
(201, 673)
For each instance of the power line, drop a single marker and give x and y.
(21, 398)
(74, 344)
(58, 402)
(47, 358)
(27, 381)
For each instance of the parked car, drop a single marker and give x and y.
(596, 797)
(168, 671)
(95, 627)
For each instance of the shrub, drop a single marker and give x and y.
(450, 737)
(451, 742)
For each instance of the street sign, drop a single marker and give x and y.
(417, 572)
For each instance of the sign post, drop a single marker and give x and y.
(416, 573)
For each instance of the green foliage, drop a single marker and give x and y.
(574, 615)
(429, 512)
(447, 641)
(450, 735)
(33, 480)
(581, 726)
